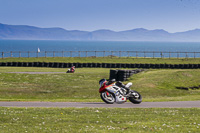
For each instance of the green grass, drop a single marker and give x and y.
(99, 120)
(82, 86)
(161, 84)
(106, 60)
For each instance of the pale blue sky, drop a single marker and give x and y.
(90, 15)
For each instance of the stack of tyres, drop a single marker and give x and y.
(167, 65)
(123, 65)
(132, 72)
(61, 65)
(113, 74)
(75, 64)
(15, 64)
(121, 75)
(80, 65)
(195, 66)
(118, 65)
(30, 64)
(127, 74)
(85, 64)
(65, 65)
(9, 63)
(137, 65)
(70, 64)
(99, 65)
(35, 64)
(108, 65)
(20, 64)
(25, 64)
(46, 64)
(94, 65)
(51, 64)
(89, 64)
(104, 65)
(162, 65)
(55, 64)
(113, 65)
(133, 65)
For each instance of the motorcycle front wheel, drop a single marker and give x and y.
(135, 97)
(107, 97)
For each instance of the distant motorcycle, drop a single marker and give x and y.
(71, 70)
(111, 92)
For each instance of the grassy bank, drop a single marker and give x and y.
(154, 85)
(106, 60)
(99, 120)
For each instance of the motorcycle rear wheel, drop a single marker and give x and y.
(107, 97)
(135, 97)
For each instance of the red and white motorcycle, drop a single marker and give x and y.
(71, 70)
(111, 91)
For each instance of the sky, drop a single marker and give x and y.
(89, 15)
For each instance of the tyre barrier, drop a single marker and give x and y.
(189, 88)
(100, 65)
(122, 75)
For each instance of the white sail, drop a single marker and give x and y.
(38, 50)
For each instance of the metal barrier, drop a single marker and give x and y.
(136, 54)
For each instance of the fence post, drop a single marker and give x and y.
(128, 54)
(28, 54)
(62, 54)
(53, 53)
(2, 55)
(194, 54)
(70, 53)
(19, 54)
(136, 54)
(153, 54)
(161, 54)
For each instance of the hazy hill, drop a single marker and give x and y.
(24, 32)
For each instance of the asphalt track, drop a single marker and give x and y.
(173, 104)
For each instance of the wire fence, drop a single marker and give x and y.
(136, 54)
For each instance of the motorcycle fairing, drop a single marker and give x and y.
(104, 87)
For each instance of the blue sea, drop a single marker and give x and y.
(50, 45)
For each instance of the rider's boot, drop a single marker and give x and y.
(127, 91)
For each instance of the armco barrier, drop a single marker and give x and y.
(100, 65)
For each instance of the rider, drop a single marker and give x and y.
(73, 68)
(118, 83)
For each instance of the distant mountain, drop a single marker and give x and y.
(25, 32)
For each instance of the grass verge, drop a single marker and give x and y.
(99, 120)
(106, 60)
(82, 86)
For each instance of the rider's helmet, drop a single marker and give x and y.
(101, 82)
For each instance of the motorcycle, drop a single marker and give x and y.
(111, 93)
(71, 70)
